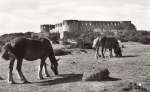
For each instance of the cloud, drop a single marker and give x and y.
(12, 5)
(25, 15)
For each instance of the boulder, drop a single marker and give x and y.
(96, 74)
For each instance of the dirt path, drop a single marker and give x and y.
(133, 67)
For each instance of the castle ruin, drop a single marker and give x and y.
(96, 26)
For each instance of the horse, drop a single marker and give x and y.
(111, 43)
(21, 48)
(96, 46)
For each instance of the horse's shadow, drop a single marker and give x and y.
(126, 56)
(111, 79)
(1, 78)
(66, 78)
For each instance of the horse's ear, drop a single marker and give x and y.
(57, 59)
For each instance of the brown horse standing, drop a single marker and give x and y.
(23, 48)
(111, 43)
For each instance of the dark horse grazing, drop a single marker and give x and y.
(111, 43)
(23, 48)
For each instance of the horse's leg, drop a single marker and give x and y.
(54, 64)
(102, 51)
(46, 71)
(10, 75)
(19, 65)
(97, 53)
(41, 67)
(110, 49)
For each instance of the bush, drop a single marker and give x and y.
(144, 40)
(60, 52)
(84, 44)
(7, 37)
(84, 39)
(136, 36)
(54, 37)
(141, 36)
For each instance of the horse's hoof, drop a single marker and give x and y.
(99, 55)
(11, 82)
(47, 75)
(41, 78)
(26, 81)
(99, 61)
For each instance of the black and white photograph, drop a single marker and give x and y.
(74, 45)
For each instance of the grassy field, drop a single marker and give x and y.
(133, 67)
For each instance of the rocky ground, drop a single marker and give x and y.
(130, 73)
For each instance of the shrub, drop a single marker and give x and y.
(84, 44)
(85, 40)
(60, 52)
(144, 40)
(136, 36)
(7, 37)
(54, 37)
(141, 36)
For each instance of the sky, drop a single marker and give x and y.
(28, 15)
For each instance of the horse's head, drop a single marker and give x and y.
(54, 66)
(6, 50)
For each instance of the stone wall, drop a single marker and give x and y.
(96, 26)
